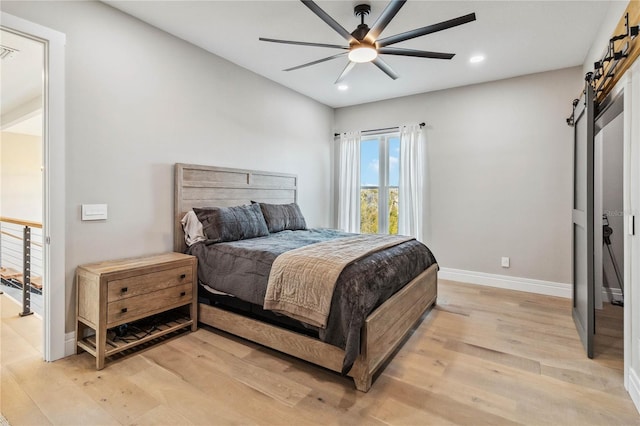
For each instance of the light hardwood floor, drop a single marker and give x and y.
(481, 356)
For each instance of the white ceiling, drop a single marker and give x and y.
(21, 84)
(29, 126)
(517, 38)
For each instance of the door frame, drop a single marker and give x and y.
(630, 82)
(54, 200)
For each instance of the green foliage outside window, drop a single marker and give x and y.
(393, 210)
(369, 210)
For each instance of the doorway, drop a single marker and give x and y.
(22, 65)
(56, 344)
(609, 228)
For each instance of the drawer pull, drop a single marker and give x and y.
(183, 276)
(124, 289)
(184, 293)
(123, 310)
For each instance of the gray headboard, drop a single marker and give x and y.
(207, 186)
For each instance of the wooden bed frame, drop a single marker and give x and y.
(384, 330)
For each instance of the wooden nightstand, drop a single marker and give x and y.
(113, 293)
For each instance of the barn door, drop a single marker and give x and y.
(582, 250)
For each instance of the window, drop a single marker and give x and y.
(379, 177)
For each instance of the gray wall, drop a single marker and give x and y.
(500, 170)
(612, 200)
(139, 100)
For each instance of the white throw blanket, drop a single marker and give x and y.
(302, 280)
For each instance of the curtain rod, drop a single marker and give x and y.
(380, 130)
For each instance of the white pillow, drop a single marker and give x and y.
(192, 227)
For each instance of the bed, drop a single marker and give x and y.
(381, 332)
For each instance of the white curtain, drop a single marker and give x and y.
(412, 198)
(349, 182)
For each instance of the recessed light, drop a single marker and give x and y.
(343, 87)
(476, 59)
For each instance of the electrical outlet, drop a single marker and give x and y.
(505, 262)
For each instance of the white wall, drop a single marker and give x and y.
(21, 177)
(500, 170)
(138, 101)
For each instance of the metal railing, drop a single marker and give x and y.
(21, 258)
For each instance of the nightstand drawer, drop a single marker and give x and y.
(132, 308)
(147, 283)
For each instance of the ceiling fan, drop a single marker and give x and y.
(364, 44)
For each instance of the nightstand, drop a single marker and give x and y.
(160, 290)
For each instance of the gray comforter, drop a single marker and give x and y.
(241, 268)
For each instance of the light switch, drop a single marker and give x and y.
(94, 212)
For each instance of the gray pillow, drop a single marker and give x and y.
(280, 217)
(222, 224)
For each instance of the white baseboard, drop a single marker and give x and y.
(617, 294)
(634, 388)
(548, 288)
(70, 343)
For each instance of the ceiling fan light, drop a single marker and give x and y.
(362, 54)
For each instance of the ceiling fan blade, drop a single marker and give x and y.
(329, 20)
(345, 71)
(303, 43)
(385, 67)
(383, 20)
(316, 62)
(408, 35)
(417, 53)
